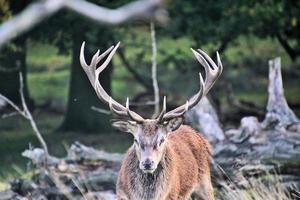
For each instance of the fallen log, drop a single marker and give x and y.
(268, 147)
(84, 171)
(77, 153)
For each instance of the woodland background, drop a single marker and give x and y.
(246, 34)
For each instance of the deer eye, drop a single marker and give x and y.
(161, 141)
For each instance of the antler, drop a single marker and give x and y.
(212, 72)
(93, 74)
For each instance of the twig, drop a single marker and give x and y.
(107, 112)
(36, 12)
(27, 115)
(100, 110)
(146, 103)
(154, 71)
(9, 115)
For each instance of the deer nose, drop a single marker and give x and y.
(147, 164)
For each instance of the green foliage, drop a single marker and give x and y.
(46, 57)
(220, 22)
(51, 86)
(5, 12)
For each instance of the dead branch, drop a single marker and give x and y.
(142, 9)
(9, 115)
(27, 115)
(100, 110)
(154, 70)
(36, 12)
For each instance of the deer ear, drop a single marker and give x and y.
(125, 126)
(174, 124)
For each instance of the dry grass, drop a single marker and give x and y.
(256, 189)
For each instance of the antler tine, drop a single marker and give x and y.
(93, 74)
(177, 112)
(105, 53)
(132, 114)
(191, 103)
(164, 109)
(113, 110)
(220, 66)
(212, 72)
(108, 59)
(85, 66)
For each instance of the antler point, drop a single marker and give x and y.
(127, 103)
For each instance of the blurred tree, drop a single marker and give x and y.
(219, 22)
(68, 31)
(278, 19)
(13, 56)
(82, 97)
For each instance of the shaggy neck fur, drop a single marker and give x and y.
(150, 186)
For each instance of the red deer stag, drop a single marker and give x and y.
(168, 161)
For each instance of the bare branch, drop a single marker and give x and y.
(146, 103)
(27, 115)
(37, 12)
(31, 16)
(100, 110)
(154, 71)
(32, 122)
(143, 9)
(9, 115)
(13, 105)
(293, 53)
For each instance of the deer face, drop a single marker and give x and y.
(150, 139)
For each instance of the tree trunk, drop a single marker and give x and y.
(13, 61)
(79, 116)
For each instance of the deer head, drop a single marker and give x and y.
(150, 135)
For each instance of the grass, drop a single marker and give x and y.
(257, 189)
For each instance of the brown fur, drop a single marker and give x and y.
(149, 127)
(183, 169)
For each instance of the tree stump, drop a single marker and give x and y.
(278, 112)
(204, 119)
